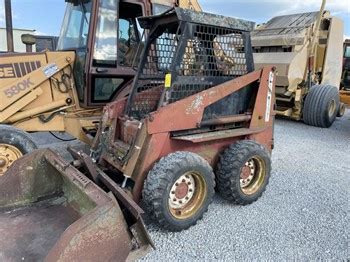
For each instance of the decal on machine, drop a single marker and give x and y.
(50, 70)
(17, 70)
(269, 97)
(18, 88)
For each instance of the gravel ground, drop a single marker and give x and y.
(303, 215)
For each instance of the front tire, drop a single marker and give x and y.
(321, 106)
(243, 172)
(178, 190)
(14, 143)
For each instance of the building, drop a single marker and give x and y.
(18, 45)
(42, 42)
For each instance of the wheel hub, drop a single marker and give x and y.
(182, 192)
(8, 155)
(332, 108)
(247, 174)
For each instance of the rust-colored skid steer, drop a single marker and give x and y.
(50, 211)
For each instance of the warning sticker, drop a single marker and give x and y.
(167, 83)
(269, 98)
(50, 70)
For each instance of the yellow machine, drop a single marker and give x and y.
(64, 91)
(307, 52)
(345, 92)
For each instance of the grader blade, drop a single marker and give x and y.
(50, 211)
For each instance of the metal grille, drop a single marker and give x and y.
(150, 83)
(212, 55)
(198, 58)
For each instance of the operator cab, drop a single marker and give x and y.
(106, 39)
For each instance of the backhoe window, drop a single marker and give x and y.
(347, 52)
(105, 52)
(75, 28)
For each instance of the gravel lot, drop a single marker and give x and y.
(303, 215)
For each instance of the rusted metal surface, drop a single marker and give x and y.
(175, 119)
(212, 136)
(190, 110)
(203, 18)
(63, 215)
(227, 120)
(9, 28)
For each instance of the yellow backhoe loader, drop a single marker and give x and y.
(65, 90)
(307, 49)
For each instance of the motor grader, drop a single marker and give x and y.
(198, 117)
(306, 49)
(65, 91)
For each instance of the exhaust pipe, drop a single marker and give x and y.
(9, 29)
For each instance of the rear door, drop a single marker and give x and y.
(114, 41)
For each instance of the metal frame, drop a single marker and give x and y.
(130, 143)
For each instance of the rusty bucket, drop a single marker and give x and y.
(50, 211)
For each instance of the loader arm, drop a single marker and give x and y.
(16, 95)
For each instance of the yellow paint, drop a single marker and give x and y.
(167, 83)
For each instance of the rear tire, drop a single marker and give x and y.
(321, 106)
(178, 190)
(341, 111)
(243, 172)
(14, 143)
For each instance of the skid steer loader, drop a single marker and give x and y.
(307, 52)
(65, 91)
(198, 117)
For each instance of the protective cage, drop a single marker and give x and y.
(188, 52)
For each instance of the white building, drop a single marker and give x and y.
(18, 45)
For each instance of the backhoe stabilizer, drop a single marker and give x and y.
(51, 211)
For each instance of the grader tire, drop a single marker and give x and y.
(321, 106)
(178, 190)
(14, 143)
(243, 172)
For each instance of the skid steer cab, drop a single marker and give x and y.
(198, 117)
(64, 91)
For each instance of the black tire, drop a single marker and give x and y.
(20, 144)
(321, 106)
(160, 183)
(341, 111)
(232, 163)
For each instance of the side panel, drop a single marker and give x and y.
(334, 53)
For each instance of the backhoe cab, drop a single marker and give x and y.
(65, 90)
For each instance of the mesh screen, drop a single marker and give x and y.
(150, 83)
(199, 58)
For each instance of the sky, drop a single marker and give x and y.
(45, 16)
